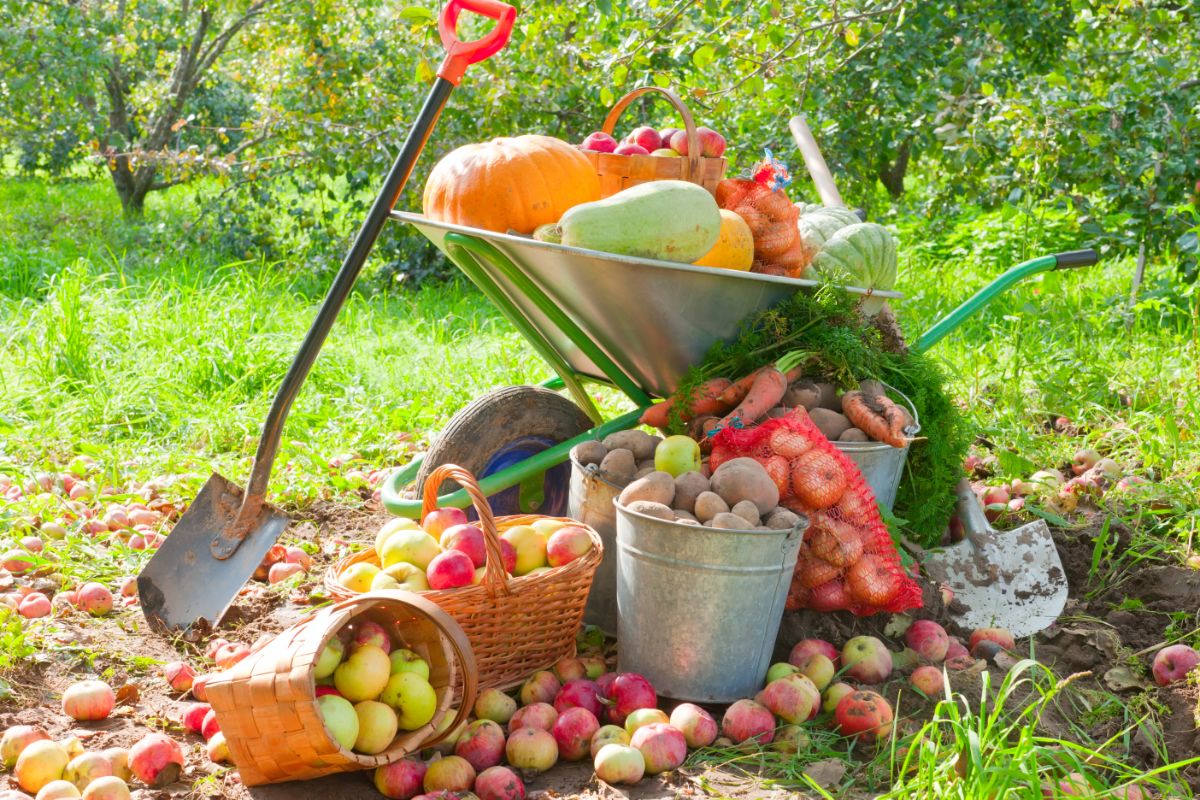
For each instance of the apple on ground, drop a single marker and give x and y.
(607, 734)
(401, 779)
(1000, 636)
(644, 716)
(928, 680)
(864, 715)
(1174, 663)
(495, 705)
(451, 774)
(481, 744)
(531, 750)
(746, 719)
(573, 732)
(540, 687)
(499, 783)
(928, 639)
(536, 715)
(662, 746)
(818, 669)
(780, 670)
(807, 647)
(619, 763)
(866, 660)
(834, 694)
(698, 727)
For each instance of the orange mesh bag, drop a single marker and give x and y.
(847, 561)
(762, 202)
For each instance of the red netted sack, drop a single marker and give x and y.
(847, 561)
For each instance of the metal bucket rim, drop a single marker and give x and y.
(593, 474)
(799, 528)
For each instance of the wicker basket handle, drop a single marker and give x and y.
(493, 576)
(689, 124)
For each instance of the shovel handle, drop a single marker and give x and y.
(970, 513)
(817, 168)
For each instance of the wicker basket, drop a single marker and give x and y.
(267, 707)
(516, 626)
(620, 172)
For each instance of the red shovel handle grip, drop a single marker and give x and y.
(460, 54)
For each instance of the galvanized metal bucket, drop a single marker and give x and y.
(591, 501)
(882, 465)
(698, 609)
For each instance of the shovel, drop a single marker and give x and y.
(1001, 579)
(216, 546)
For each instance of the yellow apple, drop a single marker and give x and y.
(330, 657)
(413, 698)
(547, 526)
(414, 547)
(407, 661)
(530, 545)
(399, 524)
(363, 675)
(358, 577)
(340, 718)
(411, 578)
(376, 727)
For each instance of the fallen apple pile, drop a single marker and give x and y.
(445, 551)
(645, 140)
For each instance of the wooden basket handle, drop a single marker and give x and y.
(689, 125)
(493, 576)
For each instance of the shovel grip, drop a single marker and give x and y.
(460, 54)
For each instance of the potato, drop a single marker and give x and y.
(640, 443)
(870, 387)
(642, 464)
(781, 520)
(745, 479)
(708, 505)
(831, 423)
(747, 511)
(590, 452)
(731, 522)
(652, 509)
(802, 392)
(688, 487)
(643, 472)
(683, 516)
(695, 522)
(618, 466)
(829, 398)
(853, 435)
(777, 412)
(657, 487)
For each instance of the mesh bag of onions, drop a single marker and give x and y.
(762, 202)
(848, 561)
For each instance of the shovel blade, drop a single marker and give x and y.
(185, 587)
(1014, 580)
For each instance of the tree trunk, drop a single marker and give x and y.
(892, 175)
(132, 186)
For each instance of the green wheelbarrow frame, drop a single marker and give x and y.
(467, 252)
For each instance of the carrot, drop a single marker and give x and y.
(736, 391)
(764, 394)
(705, 400)
(876, 416)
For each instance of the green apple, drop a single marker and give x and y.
(413, 698)
(530, 544)
(385, 582)
(364, 674)
(547, 526)
(411, 578)
(677, 455)
(819, 669)
(664, 152)
(340, 718)
(399, 524)
(376, 727)
(330, 657)
(358, 577)
(408, 661)
(780, 670)
(414, 547)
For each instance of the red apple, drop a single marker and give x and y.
(540, 687)
(282, 570)
(88, 700)
(531, 750)
(499, 783)
(579, 694)
(200, 686)
(928, 639)
(193, 716)
(628, 692)
(156, 760)
(508, 555)
(746, 719)
(369, 632)
(452, 773)
(867, 659)
(662, 747)
(570, 669)
(401, 779)
(698, 727)
(807, 647)
(450, 569)
(928, 680)
(441, 519)
(468, 539)
(864, 715)
(34, 606)
(1174, 663)
(794, 698)
(209, 725)
(599, 142)
(567, 544)
(628, 149)
(481, 744)
(179, 675)
(536, 715)
(646, 137)
(573, 732)
(998, 635)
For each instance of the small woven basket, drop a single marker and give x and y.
(267, 708)
(620, 172)
(516, 626)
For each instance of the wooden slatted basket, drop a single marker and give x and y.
(516, 625)
(619, 172)
(267, 707)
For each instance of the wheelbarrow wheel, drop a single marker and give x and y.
(502, 428)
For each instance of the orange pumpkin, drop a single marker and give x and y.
(506, 184)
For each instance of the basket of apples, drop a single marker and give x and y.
(516, 584)
(357, 685)
(692, 153)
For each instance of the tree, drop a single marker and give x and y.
(123, 76)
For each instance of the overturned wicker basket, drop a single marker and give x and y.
(267, 707)
(516, 626)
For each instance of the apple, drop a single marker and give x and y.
(677, 455)
(371, 633)
(217, 749)
(40, 762)
(209, 726)
(647, 137)
(864, 715)
(193, 715)
(73, 746)
(85, 768)
(405, 660)
(414, 547)
(956, 649)
(535, 715)
(499, 783)
(594, 667)
(156, 760)
(88, 700)
(712, 144)
(231, 654)
(329, 659)
(662, 747)
(408, 577)
(780, 670)
(698, 727)
(580, 693)
(495, 705)
(439, 520)
(531, 750)
(376, 727)
(746, 719)
(401, 779)
(573, 732)
(928, 639)
(548, 525)
(567, 544)
(16, 739)
(530, 546)
(818, 669)
(570, 669)
(297, 555)
(283, 570)
(791, 739)
(664, 152)
(607, 734)
(358, 577)
(340, 719)
(928, 680)
(627, 693)
(34, 606)
(55, 790)
(468, 539)
(413, 698)
(665, 135)
(540, 687)
(390, 527)
(807, 647)
(1174, 663)
(833, 695)
(905, 659)
(452, 774)
(629, 149)
(119, 758)
(200, 687)
(16, 561)
(451, 569)
(179, 675)
(109, 787)
(508, 556)
(1084, 460)
(619, 763)
(644, 716)
(481, 744)
(599, 142)
(321, 691)
(793, 699)
(866, 659)
(998, 635)
(364, 674)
